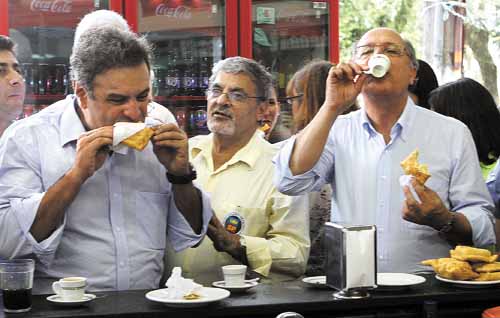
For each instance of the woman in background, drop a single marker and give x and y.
(306, 93)
(472, 104)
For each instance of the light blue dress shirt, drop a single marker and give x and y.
(114, 232)
(493, 184)
(364, 174)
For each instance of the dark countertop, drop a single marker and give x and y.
(430, 299)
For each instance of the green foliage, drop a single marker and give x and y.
(359, 16)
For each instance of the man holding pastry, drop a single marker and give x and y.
(359, 154)
(76, 198)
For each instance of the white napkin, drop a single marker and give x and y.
(123, 130)
(405, 180)
(179, 286)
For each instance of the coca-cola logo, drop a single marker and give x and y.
(58, 6)
(180, 12)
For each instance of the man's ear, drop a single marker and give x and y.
(82, 95)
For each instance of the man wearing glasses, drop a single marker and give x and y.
(12, 87)
(254, 224)
(359, 154)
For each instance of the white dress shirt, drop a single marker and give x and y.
(115, 230)
(364, 174)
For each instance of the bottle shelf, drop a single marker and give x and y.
(178, 98)
(46, 97)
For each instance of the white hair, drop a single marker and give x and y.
(100, 18)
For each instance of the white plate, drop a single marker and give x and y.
(56, 299)
(208, 295)
(235, 289)
(315, 281)
(398, 280)
(468, 283)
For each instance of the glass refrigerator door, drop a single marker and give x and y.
(287, 35)
(43, 31)
(188, 37)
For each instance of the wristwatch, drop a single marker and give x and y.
(448, 226)
(184, 179)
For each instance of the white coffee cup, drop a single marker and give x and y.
(70, 288)
(379, 64)
(234, 275)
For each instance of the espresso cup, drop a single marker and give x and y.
(379, 64)
(70, 288)
(234, 275)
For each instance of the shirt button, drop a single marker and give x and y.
(381, 204)
(122, 264)
(381, 257)
(383, 177)
(118, 229)
(115, 195)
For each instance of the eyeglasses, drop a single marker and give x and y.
(389, 49)
(235, 96)
(289, 99)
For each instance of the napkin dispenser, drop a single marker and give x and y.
(351, 264)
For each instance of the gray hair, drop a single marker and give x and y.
(100, 18)
(411, 53)
(261, 78)
(103, 48)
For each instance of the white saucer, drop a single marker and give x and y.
(315, 281)
(235, 289)
(396, 281)
(56, 299)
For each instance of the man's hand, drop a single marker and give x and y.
(170, 144)
(225, 241)
(431, 211)
(92, 149)
(341, 87)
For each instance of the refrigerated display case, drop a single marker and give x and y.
(189, 37)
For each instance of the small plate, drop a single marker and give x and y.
(469, 283)
(397, 281)
(235, 289)
(208, 295)
(57, 300)
(315, 281)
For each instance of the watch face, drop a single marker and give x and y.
(234, 223)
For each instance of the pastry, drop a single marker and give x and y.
(140, 139)
(411, 166)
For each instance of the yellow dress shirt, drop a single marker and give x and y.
(274, 226)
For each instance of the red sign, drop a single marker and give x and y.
(48, 13)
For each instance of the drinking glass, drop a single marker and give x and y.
(16, 282)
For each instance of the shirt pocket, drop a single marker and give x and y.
(151, 214)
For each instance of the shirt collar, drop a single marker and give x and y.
(71, 125)
(401, 127)
(248, 155)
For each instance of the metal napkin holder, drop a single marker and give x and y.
(351, 263)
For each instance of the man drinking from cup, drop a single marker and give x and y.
(81, 209)
(359, 154)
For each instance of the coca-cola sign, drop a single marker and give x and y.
(180, 12)
(57, 6)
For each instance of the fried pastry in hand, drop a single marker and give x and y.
(472, 254)
(452, 269)
(411, 166)
(487, 268)
(483, 277)
(140, 139)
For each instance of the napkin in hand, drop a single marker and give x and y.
(135, 135)
(180, 287)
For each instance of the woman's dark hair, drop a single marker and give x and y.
(472, 104)
(425, 82)
(310, 81)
